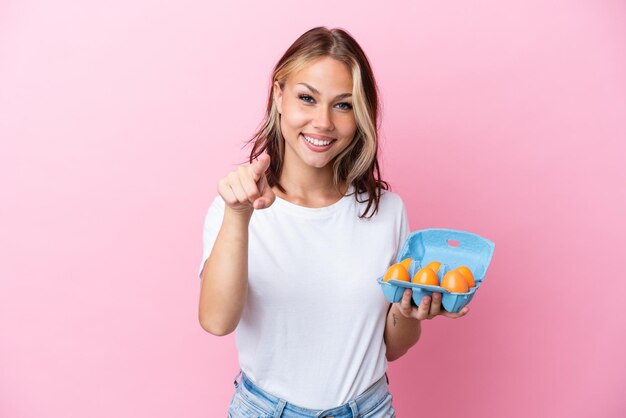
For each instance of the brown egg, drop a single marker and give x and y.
(425, 276)
(455, 282)
(406, 263)
(396, 272)
(434, 265)
(467, 273)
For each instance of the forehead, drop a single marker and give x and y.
(326, 74)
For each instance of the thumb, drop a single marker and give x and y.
(260, 166)
(267, 196)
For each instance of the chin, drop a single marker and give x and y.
(317, 163)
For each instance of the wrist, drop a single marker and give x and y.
(237, 215)
(398, 316)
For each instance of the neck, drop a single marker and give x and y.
(310, 186)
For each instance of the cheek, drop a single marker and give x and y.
(347, 126)
(293, 117)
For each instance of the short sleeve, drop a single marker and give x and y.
(212, 224)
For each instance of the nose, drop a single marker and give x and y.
(323, 119)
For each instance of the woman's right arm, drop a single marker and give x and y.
(224, 285)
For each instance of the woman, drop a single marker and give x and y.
(296, 239)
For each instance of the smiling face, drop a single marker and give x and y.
(317, 119)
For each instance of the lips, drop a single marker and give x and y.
(318, 140)
(317, 143)
(320, 137)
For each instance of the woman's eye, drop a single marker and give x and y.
(344, 106)
(306, 98)
(310, 100)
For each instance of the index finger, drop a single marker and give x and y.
(435, 306)
(423, 308)
(260, 165)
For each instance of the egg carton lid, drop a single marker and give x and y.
(453, 247)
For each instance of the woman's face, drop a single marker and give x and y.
(317, 120)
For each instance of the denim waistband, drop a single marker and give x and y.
(362, 404)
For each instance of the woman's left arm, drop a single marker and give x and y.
(404, 322)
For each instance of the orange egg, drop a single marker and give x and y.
(467, 273)
(434, 266)
(455, 282)
(406, 263)
(396, 272)
(426, 276)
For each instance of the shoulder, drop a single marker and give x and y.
(391, 199)
(390, 204)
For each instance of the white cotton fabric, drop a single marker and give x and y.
(311, 331)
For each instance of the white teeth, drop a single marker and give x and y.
(317, 142)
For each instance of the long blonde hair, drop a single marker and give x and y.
(358, 163)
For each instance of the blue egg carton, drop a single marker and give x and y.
(452, 248)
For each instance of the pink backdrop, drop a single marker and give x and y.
(118, 118)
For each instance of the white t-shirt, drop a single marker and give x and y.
(311, 331)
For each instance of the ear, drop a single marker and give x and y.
(278, 97)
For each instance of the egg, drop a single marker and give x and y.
(455, 282)
(434, 266)
(397, 272)
(425, 276)
(406, 263)
(467, 273)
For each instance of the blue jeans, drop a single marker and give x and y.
(249, 401)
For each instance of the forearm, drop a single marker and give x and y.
(224, 285)
(401, 333)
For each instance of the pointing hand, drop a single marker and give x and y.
(246, 188)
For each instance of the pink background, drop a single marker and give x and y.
(118, 118)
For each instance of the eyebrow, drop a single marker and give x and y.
(315, 91)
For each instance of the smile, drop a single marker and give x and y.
(317, 142)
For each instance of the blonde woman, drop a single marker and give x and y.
(296, 238)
